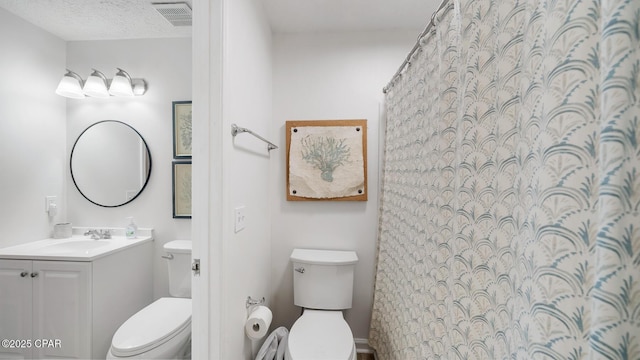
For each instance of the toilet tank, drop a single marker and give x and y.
(179, 262)
(323, 279)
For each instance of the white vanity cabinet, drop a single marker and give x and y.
(44, 305)
(67, 306)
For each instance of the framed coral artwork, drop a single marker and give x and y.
(182, 129)
(182, 189)
(327, 160)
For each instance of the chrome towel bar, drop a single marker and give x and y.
(235, 130)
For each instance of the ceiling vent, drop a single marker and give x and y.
(178, 14)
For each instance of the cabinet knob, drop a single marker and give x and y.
(34, 274)
(24, 273)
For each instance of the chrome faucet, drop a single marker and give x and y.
(98, 234)
(94, 234)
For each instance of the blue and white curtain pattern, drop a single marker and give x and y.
(510, 218)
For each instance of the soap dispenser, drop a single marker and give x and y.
(131, 229)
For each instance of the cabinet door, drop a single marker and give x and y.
(61, 309)
(15, 308)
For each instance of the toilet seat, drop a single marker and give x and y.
(320, 335)
(152, 326)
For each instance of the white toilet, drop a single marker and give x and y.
(323, 287)
(162, 330)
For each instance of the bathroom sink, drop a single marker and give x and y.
(75, 245)
(78, 247)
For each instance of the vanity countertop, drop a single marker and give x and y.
(78, 247)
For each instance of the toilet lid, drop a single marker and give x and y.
(320, 335)
(151, 326)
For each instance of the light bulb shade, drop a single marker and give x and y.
(96, 85)
(139, 87)
(121, 84)
(70, 86)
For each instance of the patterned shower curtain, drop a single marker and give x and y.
(510, 217)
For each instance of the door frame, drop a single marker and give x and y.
(207, 55)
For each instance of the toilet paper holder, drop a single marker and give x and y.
(252, 302)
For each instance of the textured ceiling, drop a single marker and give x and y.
(136, 19)
(96, 19)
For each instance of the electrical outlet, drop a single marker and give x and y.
(50, 206)
(240, 218)
(48, 202)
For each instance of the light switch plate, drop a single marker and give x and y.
(240, 218)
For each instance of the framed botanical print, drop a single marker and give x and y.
(182, 135)
(182, 189)
(327, 160)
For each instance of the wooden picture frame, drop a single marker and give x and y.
(182, 133)
(326, 160)
(181, 175)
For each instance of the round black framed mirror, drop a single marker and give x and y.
(110, 163)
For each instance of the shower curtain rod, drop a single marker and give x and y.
(407, 60)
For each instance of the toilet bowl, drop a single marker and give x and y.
(323, 287)
(320, 335)
(162, 330)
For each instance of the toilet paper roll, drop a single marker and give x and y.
(258, 323)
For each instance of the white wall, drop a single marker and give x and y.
(32, 130)
(327, 77)
(247, 101)
(165, 64)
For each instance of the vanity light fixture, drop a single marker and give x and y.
(96, 85)
(139, 86)
(71, 86)
(123, 85)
